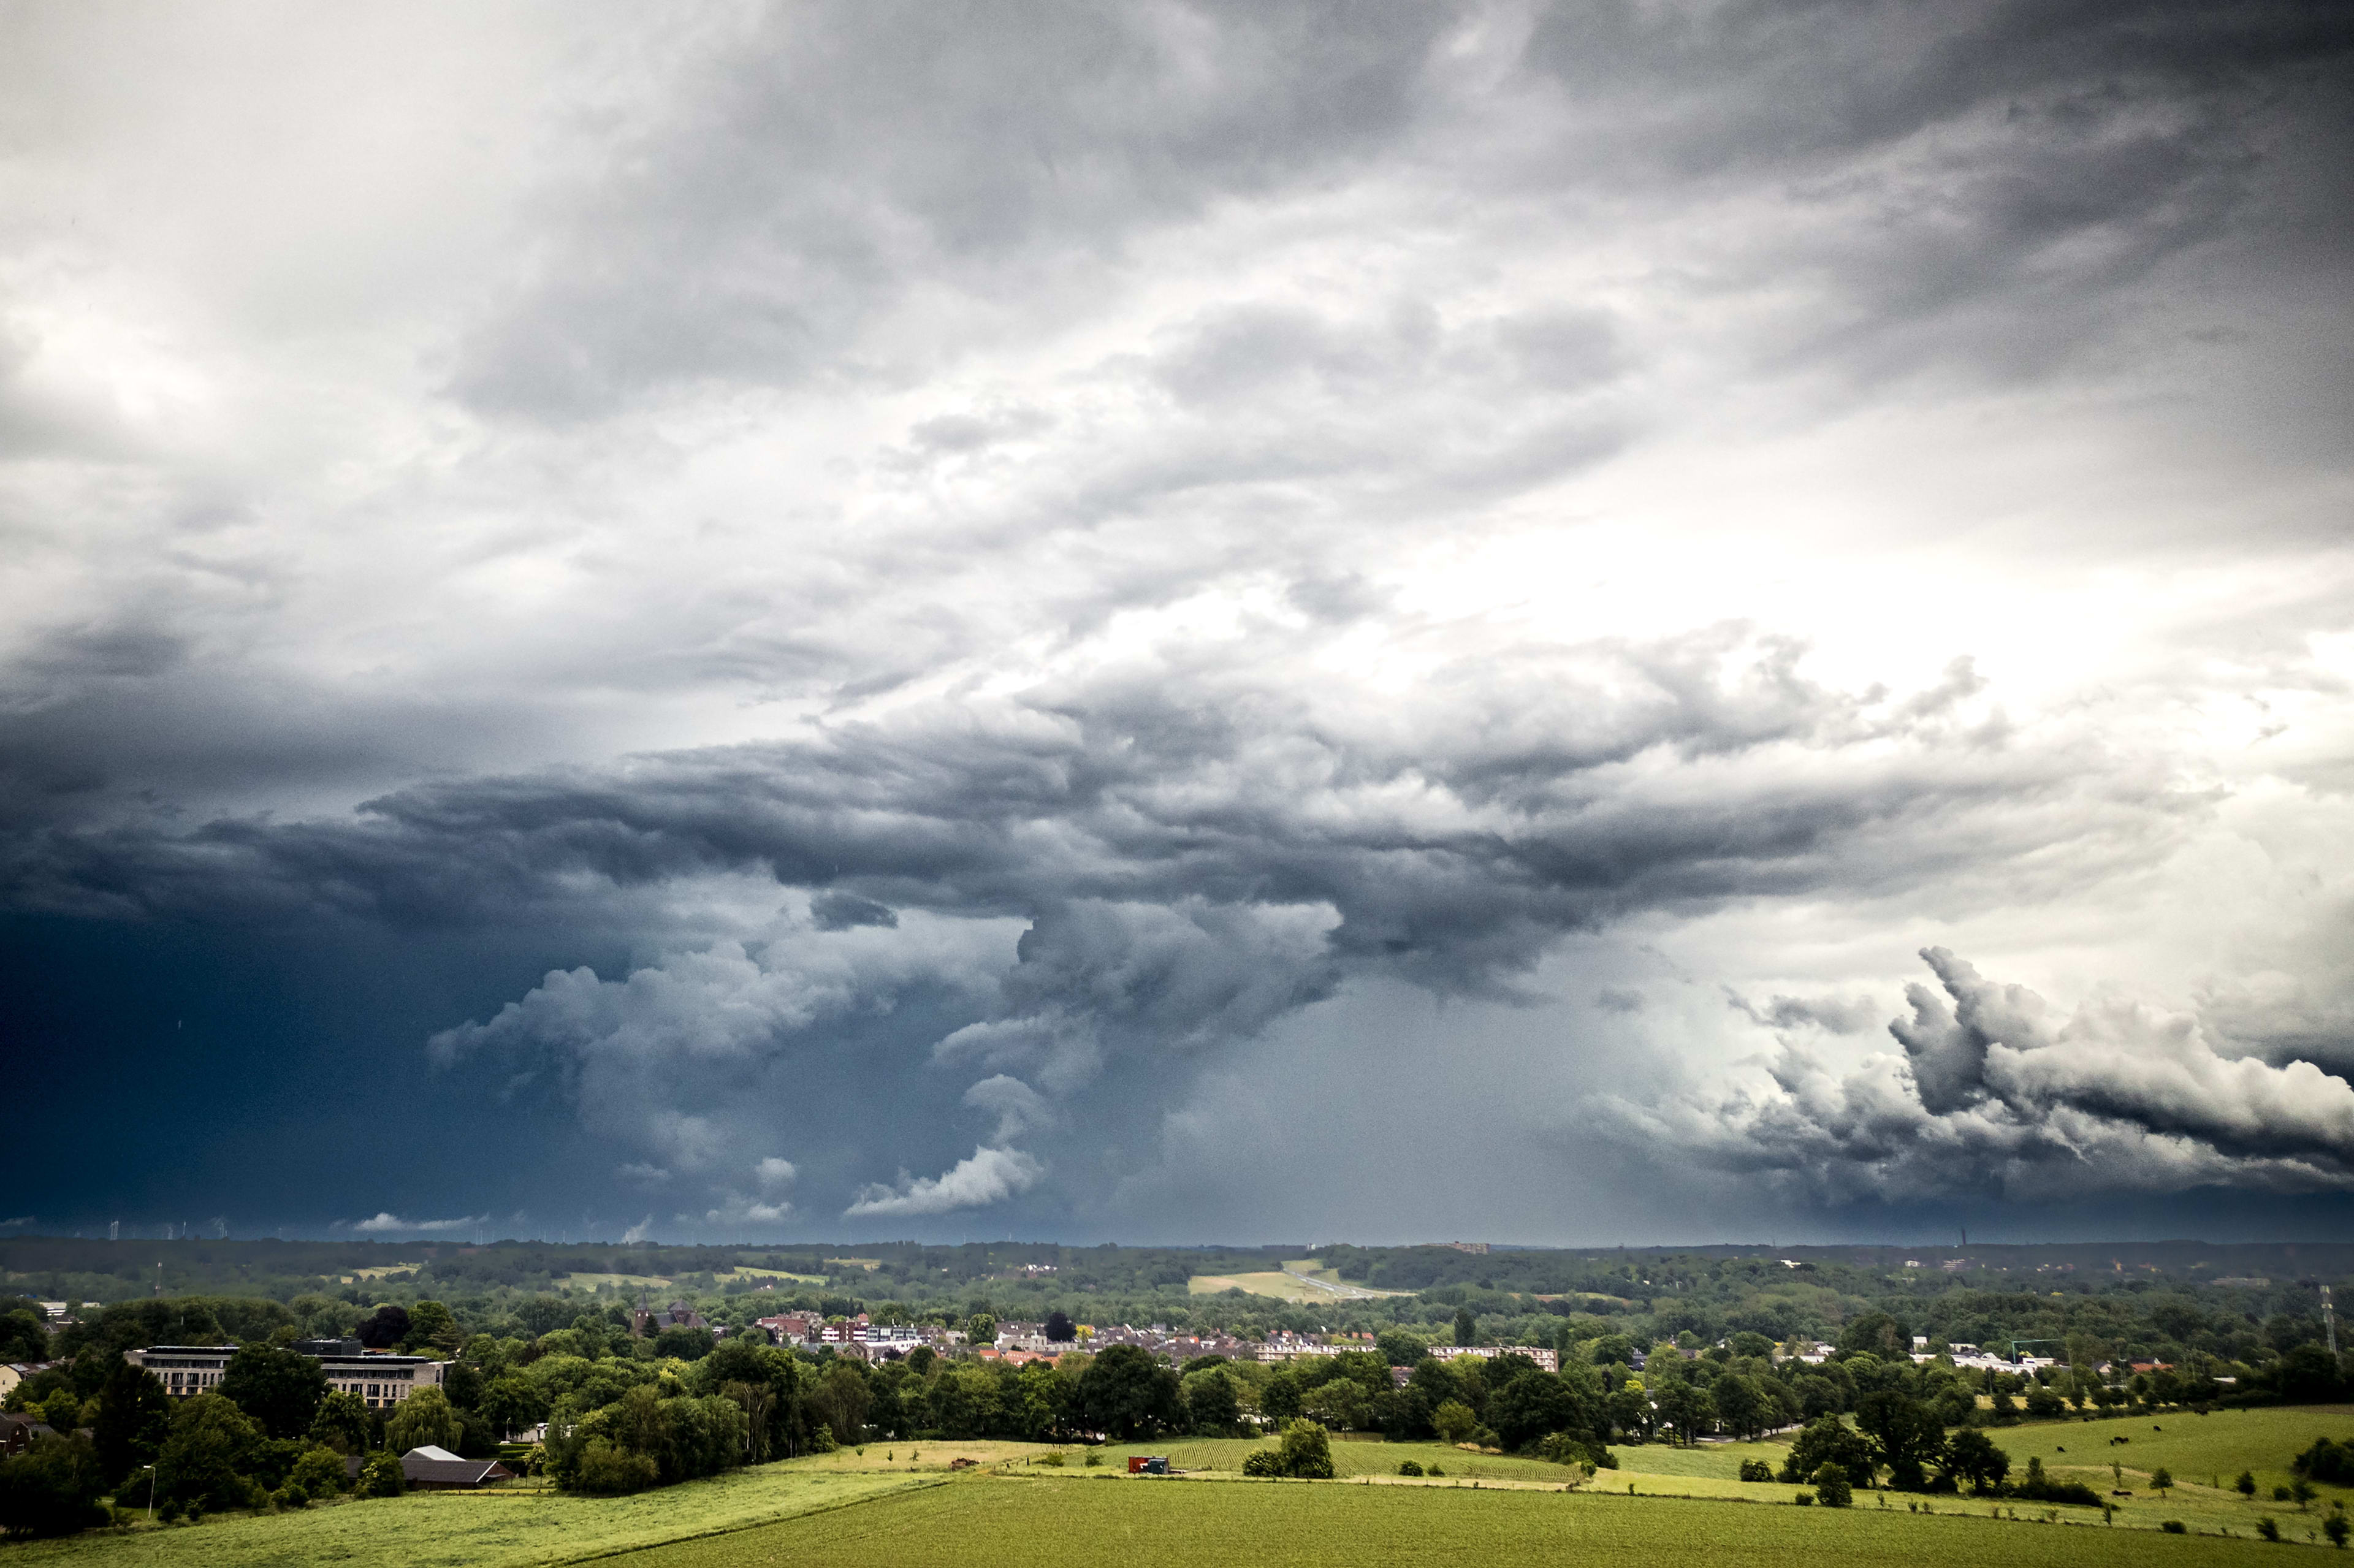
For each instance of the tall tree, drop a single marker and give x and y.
(135, 1419)
(1126, 1394)
(425, 1417)
(1906, 1433)
(280, 1388)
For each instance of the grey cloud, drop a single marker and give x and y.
(824, 158)
(1019, 1109)
(1992, 1097)
(1836, 1015)
(835, 910)
(1619, 999)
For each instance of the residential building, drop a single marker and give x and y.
(1550, 1360)
(18, 1432)
(14, 1373)
(645, 1323)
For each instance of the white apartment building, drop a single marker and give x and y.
(381, 1379)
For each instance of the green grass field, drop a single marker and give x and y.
(450, 1530)
(995, 1523)
(1509, 1508)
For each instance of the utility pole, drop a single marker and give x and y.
(2329, 1320)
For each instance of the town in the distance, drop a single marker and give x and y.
(155, 1384)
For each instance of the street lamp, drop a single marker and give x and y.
(152, 1479)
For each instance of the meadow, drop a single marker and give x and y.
(525, 1528)
(992, 1521)
(1299, 1281)
(848, 1506)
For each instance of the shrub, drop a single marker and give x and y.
(1804, 1500)
(1833, 1487)
(2335, 1528)
(1436, 1470)
(607, 1471)
(1093, 1459)
(2175, 1527)
(1409, 1468)
(1053, 1459)
(1756, 1470)
(2327, 1461)
(1263, 1463)
(2246, 1484)
(319, 1473)
(381, 1477)
(2267, 1528)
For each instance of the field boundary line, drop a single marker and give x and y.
(915, 1486)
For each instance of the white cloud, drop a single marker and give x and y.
(987, 1176)
(385, 1222)
(1993, 1095)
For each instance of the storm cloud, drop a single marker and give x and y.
(830, 613)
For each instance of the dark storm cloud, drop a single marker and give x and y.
(1995, 1098)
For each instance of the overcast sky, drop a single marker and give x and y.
(1600, 623)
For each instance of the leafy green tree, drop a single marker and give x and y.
(1688, 1410)
(1906, 1437)
(510, 1404)
(384, 1331)
(1398, 1348)
(1466, 1326)
(61, 1409)
(52, 1487)
(1741, 1404)
(24, 1337)
(841, 1401)
(381, 1477)
(205, 1464)
(1826, 1440)
(1455, 1421)
(1306, 1452)
(981, 1328)
(686, 1343)
(1877, 1334)
(432, 1329)
(1832, 1486)
(319, 1473)
(1059, 1328)
(134, 1418)
(2335, 1528)
(426, 1418)
(2161, 1481)
(342, 1422)
(1213, 1403)
(2246, 1484)
(1971, 1456)
(1530, 1406)
(278, 1388)
(1126, 1392)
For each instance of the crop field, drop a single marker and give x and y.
(615, 1281)
(1286, 1285)
(456, 1530)
(995, 1523)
